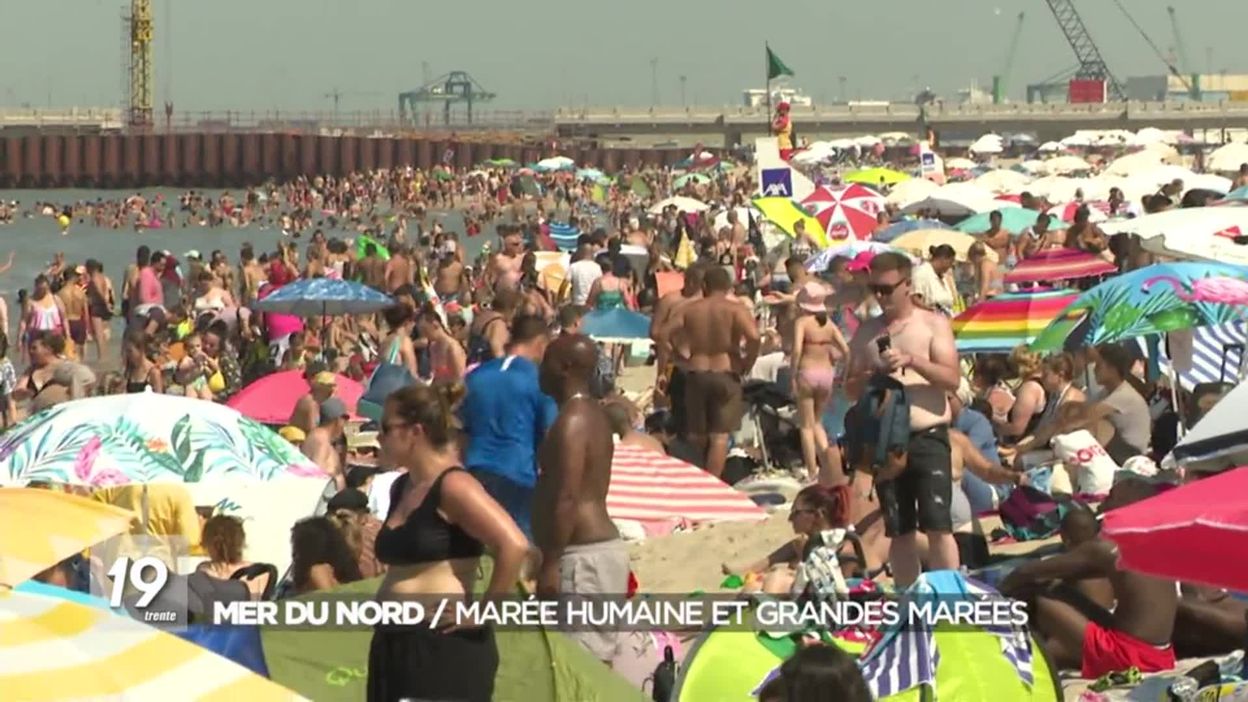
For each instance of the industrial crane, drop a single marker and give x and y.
(1185, 64)
(1001, 81)
(141, 88)
(1091, 64)
(456, 86)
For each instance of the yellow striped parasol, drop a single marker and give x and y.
(52, 649)
(40, 528)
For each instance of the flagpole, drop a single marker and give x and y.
(767, 60)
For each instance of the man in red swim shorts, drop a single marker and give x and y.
(1078, 634)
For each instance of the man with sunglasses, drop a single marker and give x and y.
(915, 346)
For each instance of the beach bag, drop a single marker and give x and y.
(1030, 514)
(877, 431)
(664, 682)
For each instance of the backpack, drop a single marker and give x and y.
(877, 429)
(1029, 514)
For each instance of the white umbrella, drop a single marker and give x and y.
(1002, 181)
(1059, 188)
(1032, 166)
(1050, 147)
(1228, 158)
(681, 203)
(1137, 162)
(1161, 174)
(987, 144)
(743, 217)
(1208, 181)
(959, 163)
(1066, 164)
(1193, 222)
(1220, 434)
(555, 163)
(911, 191)
(1078, 139)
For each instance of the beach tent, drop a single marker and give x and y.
(967, 663)
(331, 663)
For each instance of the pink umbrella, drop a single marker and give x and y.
(1059, 264)
(1191, 533)
(271, 399)
(845, 212)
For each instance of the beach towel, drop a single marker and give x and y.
(1029, 514)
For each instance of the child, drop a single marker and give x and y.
(296, 354)
(195, 368)
(8, 382)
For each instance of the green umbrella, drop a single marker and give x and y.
(328, 663)
(1013, 220)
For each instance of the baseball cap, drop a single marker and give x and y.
(349, 499)
(325, 378)
(332, 409)
(861, 262)
(293, 434)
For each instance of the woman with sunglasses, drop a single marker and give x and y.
(439, 523)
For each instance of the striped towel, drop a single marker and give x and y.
(1213, 350)
(564, 235)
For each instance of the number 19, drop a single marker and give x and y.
(124, 567)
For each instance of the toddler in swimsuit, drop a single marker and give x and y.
(193, 370)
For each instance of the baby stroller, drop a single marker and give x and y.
(771, 410)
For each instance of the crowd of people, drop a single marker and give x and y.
(502, 441)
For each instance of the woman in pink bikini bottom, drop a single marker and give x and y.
(817, 346)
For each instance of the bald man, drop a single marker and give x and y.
(582, 553)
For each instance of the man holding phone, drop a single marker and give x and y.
(916, 347)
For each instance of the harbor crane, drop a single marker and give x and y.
(1000, 82)
(1091, 64)
(140, 89)
(449, 89)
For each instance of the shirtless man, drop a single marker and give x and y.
(307, 413)
(251, 273)
(723, 343)
(1084, 235)
(321, 444)
(920, 354)
(670, 354)
(505, 266)
(449, 280)
(1138, 631)
(784, 303)
(582, 553)
(373, 268)
(399, 270)
(74, 299)
(488, 335)
(997, 238)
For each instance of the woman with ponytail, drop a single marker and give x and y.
(817, 347)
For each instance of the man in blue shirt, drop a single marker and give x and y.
(983, 496)
(505, 415)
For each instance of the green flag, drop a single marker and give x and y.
(776, 67)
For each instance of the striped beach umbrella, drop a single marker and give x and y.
(54, 649)
(651, 486)
(1001, 323)
(1059, 264)
(564, 235)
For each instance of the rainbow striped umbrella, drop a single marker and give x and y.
(1059, 264)
(1000, 323)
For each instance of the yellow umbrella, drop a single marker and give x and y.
(921, 241)
(40, 528)
(52, 649)
(875, 176)
(785, 213)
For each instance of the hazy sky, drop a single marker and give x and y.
(288, 54)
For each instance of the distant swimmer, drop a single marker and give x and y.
(64, 219)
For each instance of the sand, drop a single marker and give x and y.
(686, 561)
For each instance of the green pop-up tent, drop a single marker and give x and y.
(331, 665)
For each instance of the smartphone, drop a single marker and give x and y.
(883, 344)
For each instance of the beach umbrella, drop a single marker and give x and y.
(744, 214)
(501, 163)
(1013, 220)
(555, 163)
(1052, 265)
(819, 262)
(40, 528)
(875, 176)
(616, 326)
(1062, 165)
(785, 214)
(959, 163)
(920, 242)
(1206, 233)
(1049, 147)
(955, 200)
(1208, 181)
(1228, 158)
(1161, 298)
(896, 229)
(845, 212)
(1221, 433)
(590, 174)
(271, 399)
(910, 191)
(1002, 181)
(987, 144)
(681, 203)
(695, 178)
(1138, 162)
(649, 486)
(325, 296)
(1000, 323)
(55, 649)
(142, 438)
(1186, 533)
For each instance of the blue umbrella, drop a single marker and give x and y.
(896, 229)
(324, 296)
(616, 326)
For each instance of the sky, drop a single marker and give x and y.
(292, 54)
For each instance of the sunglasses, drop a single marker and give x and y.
(885, 288)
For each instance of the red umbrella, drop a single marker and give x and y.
(1192, 533)
(845, 212)
(1059, 264)
(1098, 210)
(271, 399)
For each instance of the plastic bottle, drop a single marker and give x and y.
(1184, 689)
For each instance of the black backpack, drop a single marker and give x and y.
(877, 429)
(664, 677)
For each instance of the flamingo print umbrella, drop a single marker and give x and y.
(1161, 298)
(847, 212)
